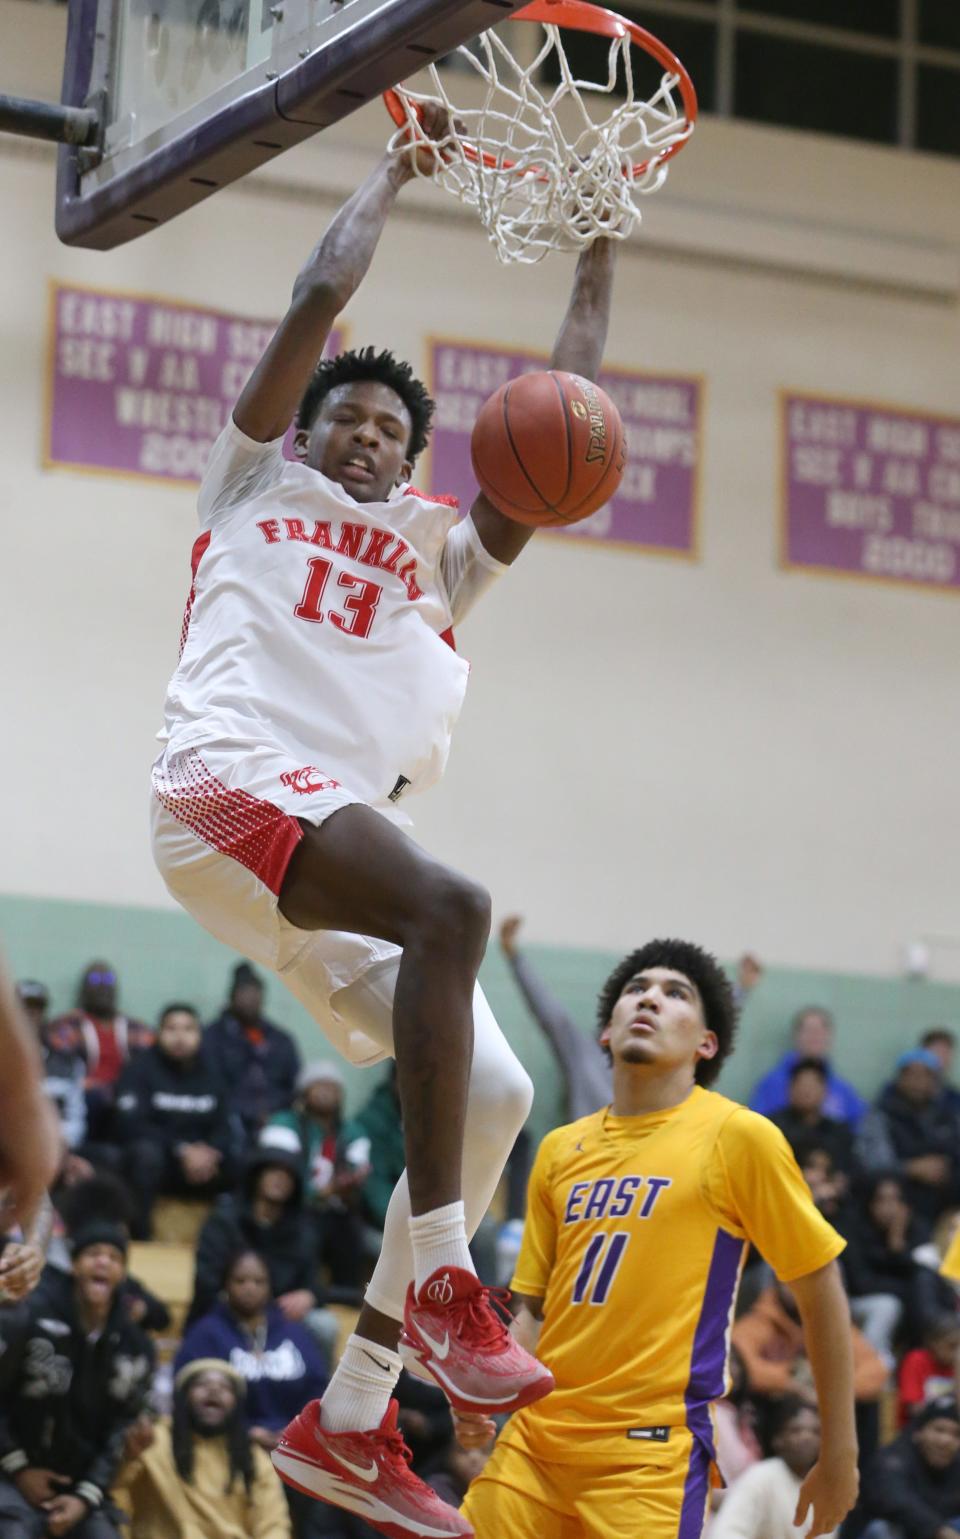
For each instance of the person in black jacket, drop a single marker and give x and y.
(101, 1199)
(75, 1378)
(265, 1215)
(256, 1060)
(889, 1290)
(802, 1120)
(913, 1488)
(912, 1130)
(174, 1120)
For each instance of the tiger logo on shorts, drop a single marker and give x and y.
(308, 779)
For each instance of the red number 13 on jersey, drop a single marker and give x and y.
(360, 607)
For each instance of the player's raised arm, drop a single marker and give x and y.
(830, 1489)
(578, 350)
(325, 285)
(583, 335)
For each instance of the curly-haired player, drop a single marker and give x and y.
(318, 686)
(638, 1222)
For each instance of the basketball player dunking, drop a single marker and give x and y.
(318, 685)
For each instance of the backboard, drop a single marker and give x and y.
(193, 94)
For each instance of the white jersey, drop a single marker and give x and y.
(322, 625)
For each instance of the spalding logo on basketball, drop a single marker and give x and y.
(549, 448)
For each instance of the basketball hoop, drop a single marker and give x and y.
(542, 173)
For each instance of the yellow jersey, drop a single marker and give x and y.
(636, 1232)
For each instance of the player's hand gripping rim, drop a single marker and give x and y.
(428, 143)
(829, 1492)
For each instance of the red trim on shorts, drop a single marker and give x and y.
(196, 556)
(255, 833)
(449, 638)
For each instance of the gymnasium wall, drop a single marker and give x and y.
(716, 748)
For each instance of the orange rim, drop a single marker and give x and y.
(580, 17)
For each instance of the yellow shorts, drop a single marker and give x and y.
(662, 1494)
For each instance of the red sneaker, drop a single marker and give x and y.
(456, 1329)
(366, 1472)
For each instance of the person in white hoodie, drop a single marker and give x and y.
(763, 1502)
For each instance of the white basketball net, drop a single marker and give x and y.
(551, 187)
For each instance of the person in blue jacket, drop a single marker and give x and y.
(279, 1359)
(811, 1035)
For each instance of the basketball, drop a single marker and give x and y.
(549, 448)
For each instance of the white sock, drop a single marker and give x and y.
(439, 1239)
(357, 1396)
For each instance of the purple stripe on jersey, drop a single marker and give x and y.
(708, 1360)
(696, 1490)
(608, 1270)
(589, 1261)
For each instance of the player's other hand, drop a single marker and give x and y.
(473, 1431)
(509, 930)
(829, 1491)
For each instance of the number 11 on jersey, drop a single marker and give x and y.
(609, 1247)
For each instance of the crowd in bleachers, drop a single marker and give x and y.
(215, 1149)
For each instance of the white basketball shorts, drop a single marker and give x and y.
(224, 826)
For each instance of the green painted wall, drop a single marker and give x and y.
(162, 954)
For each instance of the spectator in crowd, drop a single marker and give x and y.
(812, 1035)
(828, 1186)
(100, 1199)
(336, 1164)
(930, 1371)
(75, 1380)
(64, 1069)
(201, 1476)
(762, 1502)
(265, 1215)
(379, 1119)
(802, 1120)
(104, 1038)
(257, 1060)
(173, 1119)
(913, 1488)
(942, 1043)
(582, 1061)
(277, 1358)
(912, 1132)
(888, 1287)
(769, 1338)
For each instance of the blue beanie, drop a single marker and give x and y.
(919, 1055)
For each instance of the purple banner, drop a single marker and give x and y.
(656, 506)
(142, 387)
(871, 490)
